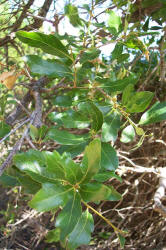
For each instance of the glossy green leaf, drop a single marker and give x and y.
(33, 163)
(109, 159)
(69, 216)
(118, 85)
(62, 167)
(91, 160)
(139, 101)
(73, 171)
(94, 192)
(104, 176)
(81, 234)
(48, 43)
(50, 68)
(54, 164)
(73, 150)
(114, 20)
(29, 159)
(70, 119)
(93, 113)
(72, 12)
(156, 113)
(4, 129)
(50, 197)
(110, 127)
(64, 137)
(127, 134)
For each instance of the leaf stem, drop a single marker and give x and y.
(117, 230)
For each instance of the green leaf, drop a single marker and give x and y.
(54, 164)
(33, 163)
(4, 129)
(30, 186)
(118, 85)
(139, 101)
(109, 159)
(69, 216)
(115, 195)
(127, 94)
(53, 235)
(104, 176)
(156, 113)
(123, 57)
(110, 127)
(89, 55)
(62, 101)
(146, 25)
(122, 240)
(33, 132)
(50, 68)
(70, 119)
(48, 43)
(82, 232)
(63, 167)
(64, 137)
(91, 160)
(73, 171)
(94, 114)
(73, 150)
(9, 181)
(50, 197)
(72, 12)
(127, 134)
(42, 131)
(114, 20)
(134, 43)
(94, 192)
(117, 51)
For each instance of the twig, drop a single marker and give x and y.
(16, 147)
(40, 18)
(137, 168)
(160, 193)
(14, 130)
(30, 142)
(38, 109)
(18, 110)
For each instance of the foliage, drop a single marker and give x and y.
(86, 100)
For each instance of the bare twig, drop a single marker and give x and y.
(16, 147)
(160, 193)
(14, 130)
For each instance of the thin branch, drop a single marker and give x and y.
(14, 130)
(16, 147)
(40, 18)
(160, 193)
